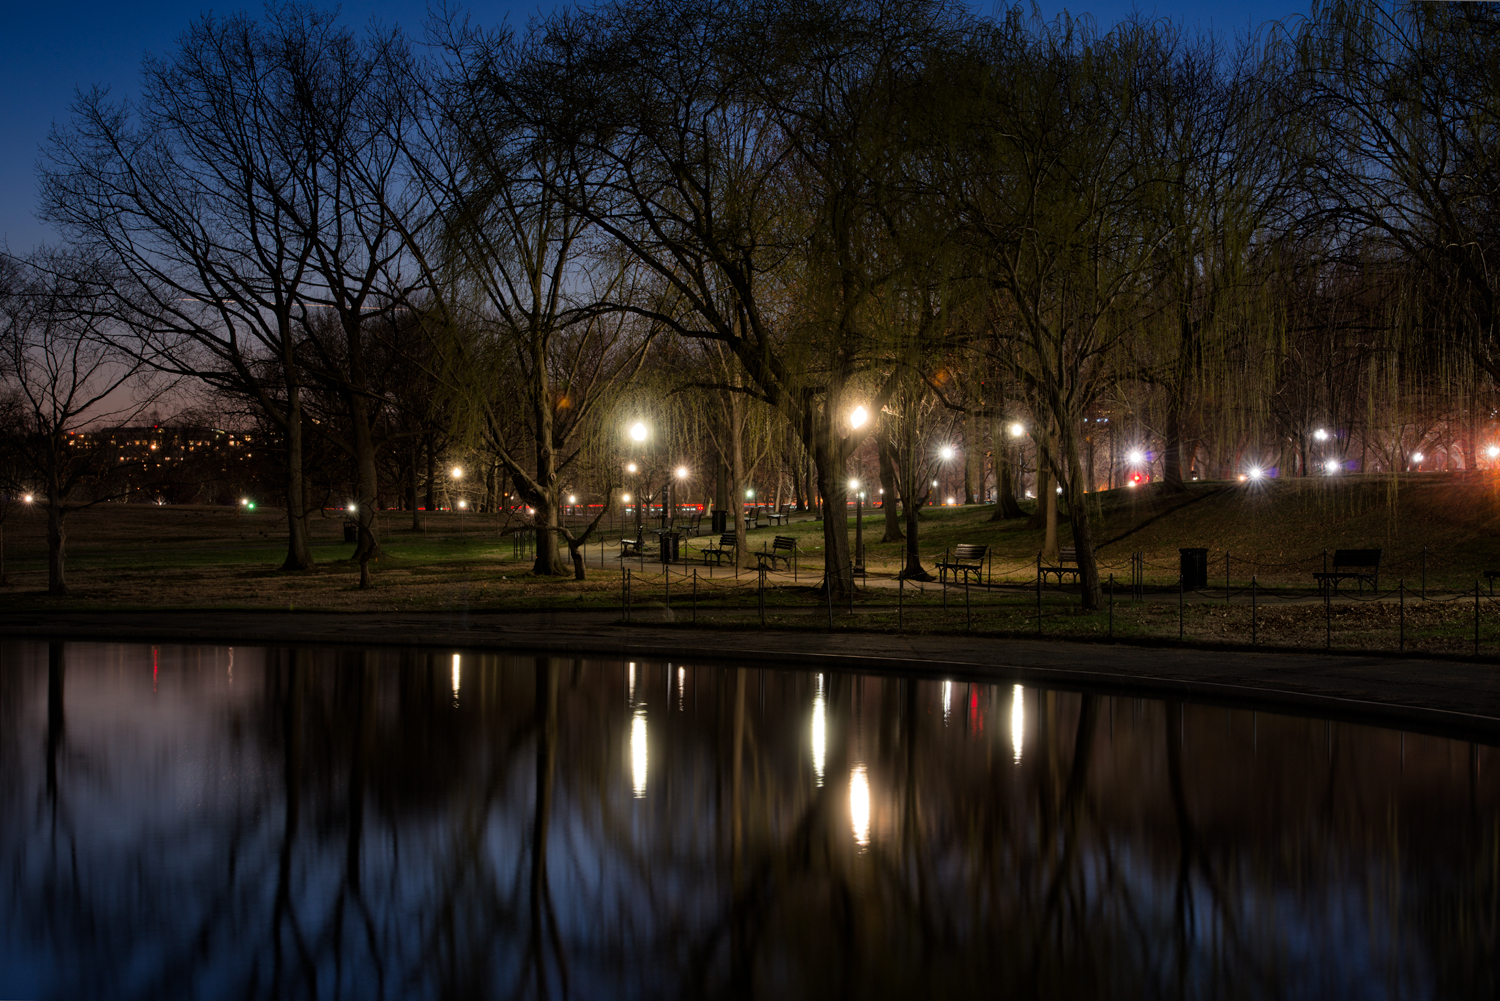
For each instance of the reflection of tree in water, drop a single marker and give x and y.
(367, 827)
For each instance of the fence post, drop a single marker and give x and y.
(943, 580)
(1327, 618)
(969, 622)
(1401, 592)
(901, 603)
(828, 588)
(667, 569)
(1476, 618)
(627, 594)
(695, 596)
(1424, 573)
(763, 596)
(1039, 594)
(1111, 606)
(1252, 609)
(1226, 576)
(1181, 597)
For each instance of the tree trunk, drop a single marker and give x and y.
(415, 455)
(298, 554)
(365, 477)
(431, 448)
(57, 538)
(1044, 487)
(911, 508)
(1006, 504)
(737, 476)
(1078, 518)
(973, 458)
(1171, 458)
(888, 488)
(833, 484)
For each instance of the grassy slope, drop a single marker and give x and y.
(212, 556)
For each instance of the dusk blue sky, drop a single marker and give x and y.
(48, 50)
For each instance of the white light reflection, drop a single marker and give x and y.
(457, 674)
(638, 751)
(1018, 721)
(859, 804)
(819, 731)
(632, 681)
(947, 700)
(681, 683)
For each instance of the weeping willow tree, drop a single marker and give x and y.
(1055, 197)
(1215, 129)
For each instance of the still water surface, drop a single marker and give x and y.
(297, 823)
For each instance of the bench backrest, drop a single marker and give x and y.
(726, 541)
(970, 551)
(1067, 554)
(784, 542)
(1356, 557)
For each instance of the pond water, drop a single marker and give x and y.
(297, 823)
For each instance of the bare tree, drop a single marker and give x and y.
(68, 381)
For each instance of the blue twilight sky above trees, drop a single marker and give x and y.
(50, 50)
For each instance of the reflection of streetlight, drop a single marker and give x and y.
(859, 804)
(819, 731)
(1017, 721)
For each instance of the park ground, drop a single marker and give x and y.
(1438, 533)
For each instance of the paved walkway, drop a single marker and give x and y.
(1436, 695)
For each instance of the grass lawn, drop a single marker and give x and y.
(142, 556)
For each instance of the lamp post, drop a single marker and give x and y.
(857, 418)
(638, 434)
(859, 527)
(682, 474)
(946, 454)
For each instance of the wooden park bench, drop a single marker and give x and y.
(1361, 564)
(783, 548)
(691, 524)
(781, 516)
(968, 558)
(1067, 563)
(726, 547)
(631, 547)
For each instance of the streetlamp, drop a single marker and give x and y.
(458, 475)
(946, 453)
(859, 527)
(682, 474)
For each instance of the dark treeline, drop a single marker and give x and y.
(793, 243)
